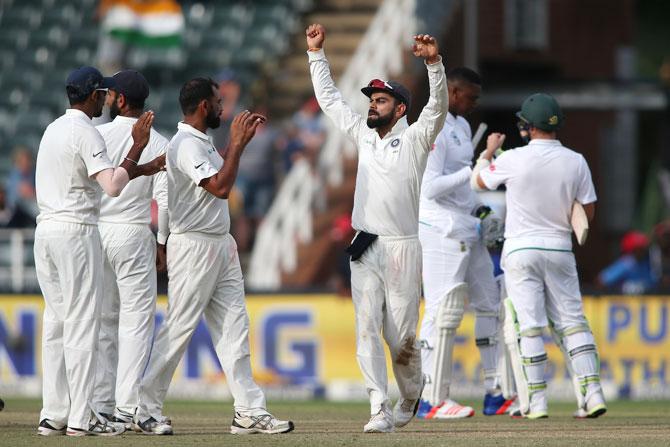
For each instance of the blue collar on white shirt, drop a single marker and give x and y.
(193, 131)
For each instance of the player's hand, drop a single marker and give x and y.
(316, 34)
(161, 258)
(425, 46)
(142, 129)
(155, 165)
(494, 142)
(243, 128)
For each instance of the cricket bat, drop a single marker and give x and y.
(579, 222)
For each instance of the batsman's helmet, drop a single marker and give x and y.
(542, 111)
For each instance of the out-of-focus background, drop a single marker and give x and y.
(606, 61)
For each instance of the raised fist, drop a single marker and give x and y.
(425, 46)
(316, 34)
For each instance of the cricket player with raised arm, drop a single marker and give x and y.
(454, 229)
(204, 271)
(130, 252)
(72, 171)
(386, 253)
(543, 180)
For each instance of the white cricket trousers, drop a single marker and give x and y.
(447, 262)
(386, 286)
(204, 278)
(127, 317)
(68, 261)
(543, 286)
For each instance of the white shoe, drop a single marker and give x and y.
(98, 428)
(595, 405)
(262, 423)
(404, 411)
(579, 413)
(152, 427)
(382, 422)
(48, 427)
(450, 409)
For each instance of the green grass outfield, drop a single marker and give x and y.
(323, 424)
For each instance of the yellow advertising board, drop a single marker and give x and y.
(310, 340)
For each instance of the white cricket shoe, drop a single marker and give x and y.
(404, 411)
(98, 428)
(152, 427)
(450, 409)
(48, 427)
(382, 422)
(595, 405)
(262, 423)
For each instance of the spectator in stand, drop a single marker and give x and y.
(632, 272)
(256, 181)
(310, 129)
(13, 217)
(660, 255)
(20, 188)
(230, 88)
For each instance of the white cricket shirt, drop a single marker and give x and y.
(191, 157)
(386, 199)
(543, 179)
(71, 152)
(133, 205)
(447, 201)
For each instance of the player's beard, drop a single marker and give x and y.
(213, 120)
(376, 120)
(114, 110)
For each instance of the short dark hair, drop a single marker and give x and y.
(194, 91)
(135, 104)
(75, 96)
(464, 74)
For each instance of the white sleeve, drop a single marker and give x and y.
(499, 171)
(435, 183)
(431, 120)
(160, 194)
(330, 99)
(445, 184)
(586, 192)
(194, 161)
(93, 151)
(112, 180)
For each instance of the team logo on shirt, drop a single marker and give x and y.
(454, 137)
(395, 142)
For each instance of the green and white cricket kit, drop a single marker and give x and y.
(386, 280)
(68, 262)
(454, 253)
(205, 278)
(543, 179)
(129, 246)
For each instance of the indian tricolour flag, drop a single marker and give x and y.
(145, 22)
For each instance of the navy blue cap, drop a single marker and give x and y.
(395, 89)
(87, 79)
(131, 84)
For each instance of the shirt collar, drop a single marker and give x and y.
(193, 131)
(399, 127)
(451, 119)
(77, 113)
(125, 119)
(544, 143)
